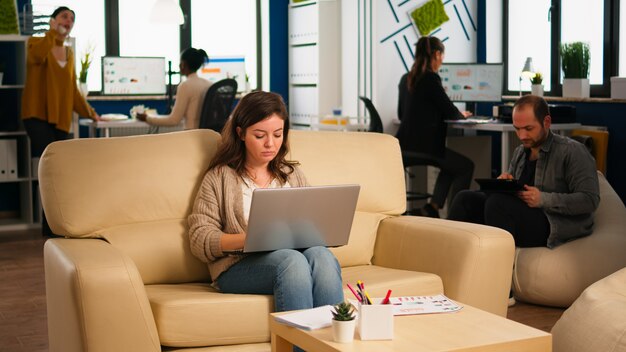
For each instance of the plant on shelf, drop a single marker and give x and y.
(575, 60)
(537, 78)
(343, 322)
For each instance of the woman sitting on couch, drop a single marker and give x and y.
(252, 155)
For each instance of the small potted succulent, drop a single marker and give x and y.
(343, 322)
(536, 82)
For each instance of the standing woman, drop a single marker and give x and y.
(51, 93)
(252, 155)
(190, 93)
(423, 107)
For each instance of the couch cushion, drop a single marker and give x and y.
(379, 171)
(195, 315)
(160, 250)
(595, 322)
(360, 247)
(93, 184)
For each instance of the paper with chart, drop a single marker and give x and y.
(410, 305)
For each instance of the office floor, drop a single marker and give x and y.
(23, 296)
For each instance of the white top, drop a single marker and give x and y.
(188, 105)
(248, 187)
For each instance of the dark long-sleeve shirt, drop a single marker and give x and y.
(423, 113)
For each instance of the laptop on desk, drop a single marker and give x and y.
(300, 217)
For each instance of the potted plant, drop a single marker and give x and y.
(343, 322)
(85, 62)
(575, 60)
(536, 87)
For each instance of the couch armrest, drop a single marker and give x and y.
(475, 262)
(96, 299)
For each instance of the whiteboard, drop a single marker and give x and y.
(129, 75)
(472, 82)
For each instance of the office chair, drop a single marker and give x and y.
(408, 158)
(217, 104)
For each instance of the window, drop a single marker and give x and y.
(88, 31)
(528, 39)
(144, 38)
(226, 28)
(537, 28)
(585, 24)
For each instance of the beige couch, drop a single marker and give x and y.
(556, 277)
(124, 279)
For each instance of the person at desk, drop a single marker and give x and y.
(50, 91)
(189, 96)
(561, 190)
(252, 155)
(423, 107)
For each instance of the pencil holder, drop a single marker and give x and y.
(375, 321)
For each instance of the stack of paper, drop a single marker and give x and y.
(308, 319)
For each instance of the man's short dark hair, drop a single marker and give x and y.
(539, 105)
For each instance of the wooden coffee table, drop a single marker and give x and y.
(469, 329)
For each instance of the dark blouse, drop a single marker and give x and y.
(422, 113)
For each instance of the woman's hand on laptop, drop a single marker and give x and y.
(506, 176)
(232, 242)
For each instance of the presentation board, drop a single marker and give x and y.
(221, 67)
(472, 82)
(131, 75)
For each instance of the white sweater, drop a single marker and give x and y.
(189, 99)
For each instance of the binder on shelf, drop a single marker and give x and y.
(3, 159)
(11, 159)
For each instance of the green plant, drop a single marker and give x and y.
(575, 60)
(85, 62)
(343, 311)
(537, 78)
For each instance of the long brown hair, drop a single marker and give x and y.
(425, 50)
(252, 108)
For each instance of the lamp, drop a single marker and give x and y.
(167, 12)
(527, 72)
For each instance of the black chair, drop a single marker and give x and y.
(408, 158)
(376, 124)
(217, 105)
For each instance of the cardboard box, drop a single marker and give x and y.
(618, 87)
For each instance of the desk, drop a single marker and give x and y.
(505, 129)
(351, 124)
(108, 125)
(469, 329)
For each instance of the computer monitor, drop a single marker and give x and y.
(221, 67)
(132, 75)
(472, 82)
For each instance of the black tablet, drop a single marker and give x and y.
(499, 185)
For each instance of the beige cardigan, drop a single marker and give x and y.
(217, 212)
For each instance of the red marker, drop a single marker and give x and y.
(386, 300)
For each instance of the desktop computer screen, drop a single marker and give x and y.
(221, 67)
(472, 82)
(129, 75)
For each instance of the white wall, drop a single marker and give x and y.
(391, 49)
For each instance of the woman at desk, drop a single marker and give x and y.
(423, 107)
(50, 93)
(252, 155)
(190, 93)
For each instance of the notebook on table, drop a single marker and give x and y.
(499, 185)
(300, 217)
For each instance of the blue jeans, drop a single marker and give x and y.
(298, 280)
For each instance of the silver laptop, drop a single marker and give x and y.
(300, 217)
